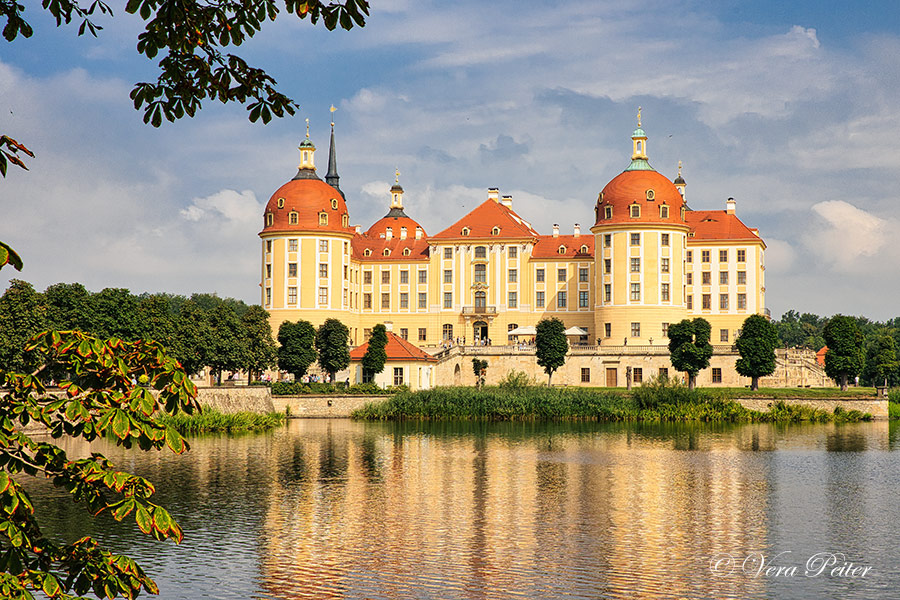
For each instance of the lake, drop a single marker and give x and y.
(343, 509)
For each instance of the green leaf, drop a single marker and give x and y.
(51, 586)
(174, 440)
(121, 425)
(143, 519)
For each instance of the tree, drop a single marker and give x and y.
(156, 320)
(881, 361)
(261, 350)
(375, 357)
(297, 350)
(22, 315)
(193, 342)
(844, 358)
(756, 344)
(551, 344)
(228, 350)
(68, 307)
(479, 367)
(115, 314)
(331, 343)
(689, 347)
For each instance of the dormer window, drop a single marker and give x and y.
(561, 250)
(387, 252)
(651, 195)
(281, 203)
(584, 249)
(323, 218)
(367, 252)
(635, 211)
(345, 221)
(269, 219)
(607, 212)
(334, 204)
(682, 213)
(664, 211)
(406, 252)
(465, 231)
(495, 230)
(293, 217)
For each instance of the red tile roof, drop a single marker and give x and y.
(718, 225)
(547, 246)
(306, 198)
(631, 187)
(375, 240)
(482, 220)
(397, 349)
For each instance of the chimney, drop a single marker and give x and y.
(730, 205)
(403, 233)
(577, 230)
(556, 230)
(389, 325)
(388, 233)
(419, 233)
(494, 194)
(358, 229)
(506, 201)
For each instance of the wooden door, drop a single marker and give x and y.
(611, 380)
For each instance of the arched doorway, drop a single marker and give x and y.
(480, 331)
(456, 375)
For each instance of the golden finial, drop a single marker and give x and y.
(639, 116)
(397, 175)
(307, 128)
(332, 109)
(679, 168)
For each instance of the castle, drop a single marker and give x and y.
(647, 261)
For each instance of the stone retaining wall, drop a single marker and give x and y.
(255, 399)
(876, 408)
(325, 406)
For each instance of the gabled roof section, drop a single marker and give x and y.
(718, 225)
(548, 246)
(484, 218)
(396, 248)
(397, 349)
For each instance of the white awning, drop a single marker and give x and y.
(527, 330)
(576, 331)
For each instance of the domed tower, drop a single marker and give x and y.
(639, 239)
(306, 248)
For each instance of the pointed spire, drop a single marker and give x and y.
(332, 178)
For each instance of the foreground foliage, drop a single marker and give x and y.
(106, 391)
(657, 401)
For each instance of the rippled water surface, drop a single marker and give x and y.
(340, 509)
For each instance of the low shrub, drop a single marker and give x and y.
(516, 380)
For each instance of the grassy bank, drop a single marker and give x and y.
(212, 421)
(654, 402)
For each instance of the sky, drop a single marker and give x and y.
(793, 109)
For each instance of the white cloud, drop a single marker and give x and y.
(845, 234)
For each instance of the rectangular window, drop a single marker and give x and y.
(742, 301)
(664, 265)
(367, 333)
(664, 372)
(716, 375)
(607, 265)
(607, 292)
(635, 291)
(689, 256)
(742, 278)
(637, 375)
(345, 272)
(404, 300)
(635, 211)
(367, 300)
(323, 245)
(423, 276)
(513, 300)
(398, 375)
(422, 334)
(707, 277)
(385, 277)
(539, 299)
(707, 301)
(481, 273)
(513, 275)
(423, 300)
(345, 297)
(723, 301)
(292, 295)
(539, 275)
(448, 276)
(664, 292)
(268, 245)
(664, 239)
(268, 296)
(583, 299)
(723, 255)
(512, 251)
(323, 295)
(723, 335)
(635, 265)
(448, 299)
(689, 302)
(268, 271)
(689, 278)
(561, 300)
(323, 269)
(404, 277)
(404, 333)
(704, 256)
(635, 239)
(583, 275)
(742, 256)
(723, 277)
(367, 277)
(607, 240)
(635, 330)
(560, 274)
(385, 301)
(665, 330)
(448, 252)
(292, 245)
(585, 375)
(607, 329)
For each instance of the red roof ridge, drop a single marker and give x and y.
(396, 349)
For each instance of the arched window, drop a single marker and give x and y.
(495, 230)
(561, 250)
(323, 218)
(465, 231)
(407, 252)
(480, 300)
(480, 252)
(334, 203)
(281, 203)
(387, 252)
(367, 252)
(345, 221)
(584, 249)
(293, 217)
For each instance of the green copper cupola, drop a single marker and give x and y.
(639, 161)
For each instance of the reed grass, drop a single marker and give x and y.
(213, 421)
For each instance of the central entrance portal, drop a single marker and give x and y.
(480, 331)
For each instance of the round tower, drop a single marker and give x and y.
(640, 236)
